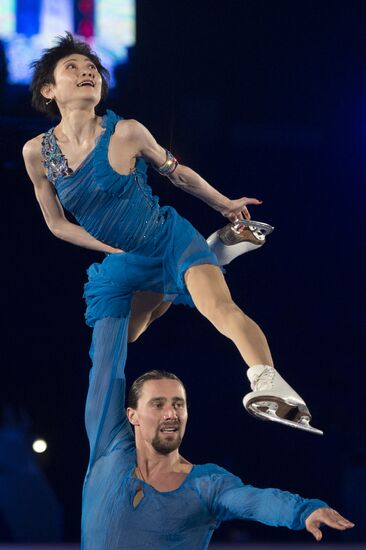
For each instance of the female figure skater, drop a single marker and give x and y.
(95, 167)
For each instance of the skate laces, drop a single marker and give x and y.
(264, 380)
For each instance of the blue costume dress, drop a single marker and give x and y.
(160, 245)
(122, 212)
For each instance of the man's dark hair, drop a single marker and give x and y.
(135, 392)
(45, 66)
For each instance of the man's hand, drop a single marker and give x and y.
(326, 516)
(237, 209)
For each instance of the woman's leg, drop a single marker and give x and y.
(272, 398)
(146, 307)
(211, 296)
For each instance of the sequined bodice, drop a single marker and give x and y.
(53, 159)
(119, 210)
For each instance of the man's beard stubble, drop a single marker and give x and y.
(165, 447)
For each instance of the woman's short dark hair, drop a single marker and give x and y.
(135, 392)
(45, 66)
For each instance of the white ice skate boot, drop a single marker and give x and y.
(237, 238)
(273, 399)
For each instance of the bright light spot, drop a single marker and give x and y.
(39, 446)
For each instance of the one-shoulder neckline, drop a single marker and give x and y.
(86, 158)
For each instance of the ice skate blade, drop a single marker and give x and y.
(302, 424)
(263, 228)
(233, 240)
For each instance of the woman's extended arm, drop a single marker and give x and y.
(50, 205)
(187, 179)
(191, 182)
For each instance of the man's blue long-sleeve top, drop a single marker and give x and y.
(183, 519)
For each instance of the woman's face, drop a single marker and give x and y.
(77, 82)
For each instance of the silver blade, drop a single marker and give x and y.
(274, 418)
(264, 227)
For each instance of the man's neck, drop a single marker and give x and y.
(151, 464)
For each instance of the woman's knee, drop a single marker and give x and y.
(134, 333)
(140, 323)
(216, 308)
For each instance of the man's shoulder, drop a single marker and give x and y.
(210, 469)
(212, 481)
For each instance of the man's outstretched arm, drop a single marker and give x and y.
(231, 499)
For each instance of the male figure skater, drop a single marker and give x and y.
(139, 492)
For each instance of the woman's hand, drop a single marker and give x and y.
(326, 516)
(237, 209)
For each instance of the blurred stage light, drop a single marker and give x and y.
(28, 26)
(39, 446)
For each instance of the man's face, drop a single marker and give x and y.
(76, 78)
(161, 414)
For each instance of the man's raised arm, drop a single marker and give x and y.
(105, 418)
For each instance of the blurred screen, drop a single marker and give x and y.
(29, 26)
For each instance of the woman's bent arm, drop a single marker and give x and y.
(50, 205)
(185, 178)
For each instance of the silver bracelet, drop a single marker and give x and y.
(169, 165)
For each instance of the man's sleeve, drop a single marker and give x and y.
(106, 422)
(232, 499)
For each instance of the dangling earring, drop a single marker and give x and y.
(49, 101)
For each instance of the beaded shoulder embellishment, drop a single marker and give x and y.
(53, 159)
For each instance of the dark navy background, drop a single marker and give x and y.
(264, 99)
